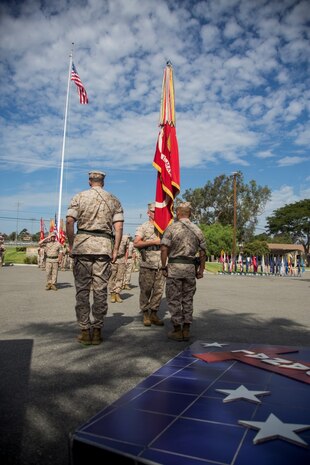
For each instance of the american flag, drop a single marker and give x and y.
(80, 88)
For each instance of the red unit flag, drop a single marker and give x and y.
(166, 159)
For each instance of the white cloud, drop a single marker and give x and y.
(280, 197)
(265, 154)
(289, 161)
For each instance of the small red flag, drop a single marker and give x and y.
(61, 235)
(41, 229)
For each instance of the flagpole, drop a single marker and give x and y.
(64, 141)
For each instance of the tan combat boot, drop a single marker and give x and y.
(186, 328)
(113, 298)
(176, 334)
(84, 337)
(127, 287)
(146, 319)
(53, 287)
(97, 339)
(48, 287)
(155, 320)
(118, 299)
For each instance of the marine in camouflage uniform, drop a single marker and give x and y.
(53, 251)
(2, 250)
(130, 262)
(99, 215)
(118, 272)
(181, 242)
(151, 279)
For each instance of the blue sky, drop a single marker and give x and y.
(241, 76)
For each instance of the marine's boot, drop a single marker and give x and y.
(53, 287)
(146, 319)
(127, 287)
(113, 297)
(186, 328)
(97, 339)
(84, 337)
(48, 287)
(155, 320)
(176, 334)
(118, 299)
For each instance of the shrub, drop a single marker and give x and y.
(31, 260)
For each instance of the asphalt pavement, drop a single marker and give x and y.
(50, 384)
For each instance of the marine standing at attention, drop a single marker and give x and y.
(53, 250)
(181, 242)
(99, 216)
(151, 279)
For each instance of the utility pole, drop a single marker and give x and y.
(17, 215)
(235, 219)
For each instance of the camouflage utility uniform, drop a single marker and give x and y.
(53, 250)
(2, 250)
(118, 271)
(129, 265)
(151, 280)
(184, 240)
(95, 211)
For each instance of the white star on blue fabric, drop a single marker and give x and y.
(242, 393)
(212, 344)
(274, 428)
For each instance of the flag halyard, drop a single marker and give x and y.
(80, 87)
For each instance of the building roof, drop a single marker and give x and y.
(286, 247)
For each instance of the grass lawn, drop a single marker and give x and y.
(14, 254)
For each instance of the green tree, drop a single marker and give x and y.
(218, 238)
(215, 203)
(12, 236)
(256, 247)
(293, 220)
(36, 237)
(278, 239)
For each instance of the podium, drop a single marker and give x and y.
(215, 403)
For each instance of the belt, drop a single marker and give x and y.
(152, 247)
(182, 260)
(52, 256)
(95, 232)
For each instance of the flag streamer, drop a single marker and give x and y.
(167, 107)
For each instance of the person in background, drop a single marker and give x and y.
(2, 250)
(99, 217)
(181, 242)
(118, 272)
(53, 252)
(130, 263)
(151, 279)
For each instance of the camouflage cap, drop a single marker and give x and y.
(185, 205)
(151, 206)
(96, 174)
